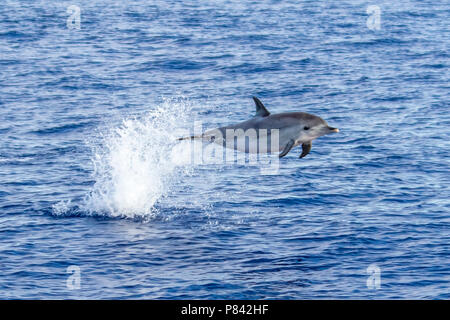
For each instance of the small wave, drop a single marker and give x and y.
(172, 65)
(374, 42)
(252, 68)
(391, 99)
(15, 160)
(435, 66)
(14, 34)
(62, 128)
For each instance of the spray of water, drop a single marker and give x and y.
(136, 163)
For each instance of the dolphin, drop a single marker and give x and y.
(267, 133)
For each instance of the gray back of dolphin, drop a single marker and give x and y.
(267, 133)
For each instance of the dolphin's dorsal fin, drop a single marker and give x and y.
(261, 111)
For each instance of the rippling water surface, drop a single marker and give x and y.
(92, 181)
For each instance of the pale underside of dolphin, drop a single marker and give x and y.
(268, 133)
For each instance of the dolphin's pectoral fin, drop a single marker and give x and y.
(306, 148)
(286, 149)
(261, 111)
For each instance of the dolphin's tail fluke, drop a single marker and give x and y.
(191, 137)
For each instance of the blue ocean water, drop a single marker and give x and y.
(91, 180)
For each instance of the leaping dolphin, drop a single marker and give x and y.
(293, 129)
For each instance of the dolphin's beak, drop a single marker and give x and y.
(333, 129)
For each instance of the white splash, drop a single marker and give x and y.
(135, 164)
(62, 207)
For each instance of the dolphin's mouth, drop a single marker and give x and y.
(333, 129)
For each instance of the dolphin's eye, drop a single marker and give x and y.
(305, 128)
